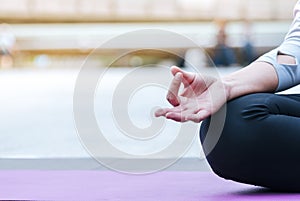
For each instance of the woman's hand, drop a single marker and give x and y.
(202, 96)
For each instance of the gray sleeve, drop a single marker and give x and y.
(288, 74)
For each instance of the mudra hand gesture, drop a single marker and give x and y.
(201, 97)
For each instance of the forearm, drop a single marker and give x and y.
(255, 78)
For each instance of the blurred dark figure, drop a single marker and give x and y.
(248, 53)
(223, 55)
(7, 46)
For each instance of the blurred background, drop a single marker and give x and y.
(61, 33)
(44, 44)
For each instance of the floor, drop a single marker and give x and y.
(37, 119)
(112, 186)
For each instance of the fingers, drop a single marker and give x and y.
(164, 111)
(187, 76)
(183, 114)
(187, 116)
(161, 112)
(172, 95)
(175, 70)
(182, 111)
(200, 116)
(180, 76)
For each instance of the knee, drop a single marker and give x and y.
(240, 112)
(240, 153)
(233, 148)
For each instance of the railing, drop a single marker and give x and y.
(75, 41)
(90, 36)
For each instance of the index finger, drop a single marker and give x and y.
(172, 95)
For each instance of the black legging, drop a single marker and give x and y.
(260, 141)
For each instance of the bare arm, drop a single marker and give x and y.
(257, 77)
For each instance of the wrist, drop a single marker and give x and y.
(227, 85)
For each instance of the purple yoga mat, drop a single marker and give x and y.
(105, 185)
